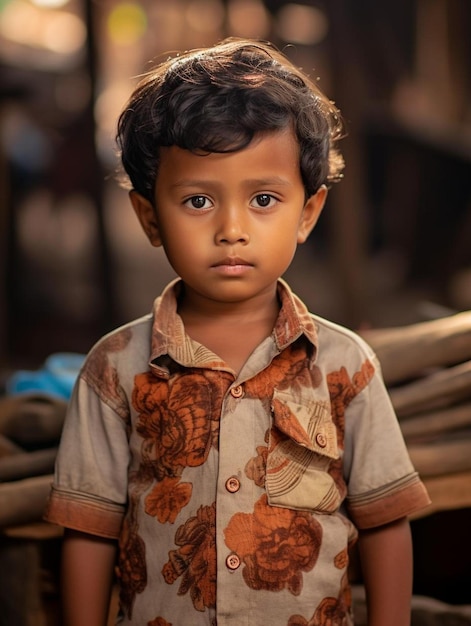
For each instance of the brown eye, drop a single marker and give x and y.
(198, 202)
(263, 200)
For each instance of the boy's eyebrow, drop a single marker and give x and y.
(261, 182)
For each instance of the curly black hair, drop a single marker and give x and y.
(216, 100)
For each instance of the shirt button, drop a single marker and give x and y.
(237, 392)
(233, 561)
(321, 440)
(233, 484)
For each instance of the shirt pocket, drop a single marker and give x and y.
(302, 446)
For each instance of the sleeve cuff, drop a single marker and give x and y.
(389, 503)
(79, 512)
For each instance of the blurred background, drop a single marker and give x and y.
(393, 245)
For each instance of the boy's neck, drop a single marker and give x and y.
(196, 309)
(232, 330)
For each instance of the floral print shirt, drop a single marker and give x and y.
(235, 499)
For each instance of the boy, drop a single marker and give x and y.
(232, 442)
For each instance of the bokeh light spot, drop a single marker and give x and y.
(302, 24)
(248, 18)
(50, 4)
(127, 23)
(205, 16)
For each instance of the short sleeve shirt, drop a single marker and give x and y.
(235, 499)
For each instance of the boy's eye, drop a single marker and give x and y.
(263, 200)
(198, 202)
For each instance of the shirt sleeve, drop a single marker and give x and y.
(89, 490)
(383, 485)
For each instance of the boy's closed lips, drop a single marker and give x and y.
(232, 266)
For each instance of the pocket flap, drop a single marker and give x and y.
(302, 447)
(308, 424)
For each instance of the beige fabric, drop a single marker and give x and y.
(234, 499)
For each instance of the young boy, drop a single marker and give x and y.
(235, 444)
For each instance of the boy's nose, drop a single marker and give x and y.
(231, 228)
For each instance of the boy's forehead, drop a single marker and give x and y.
(274, 136)
(269, 156)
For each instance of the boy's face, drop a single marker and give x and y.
(230, 223)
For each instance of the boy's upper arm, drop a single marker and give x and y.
(90, 481)
(382, 484)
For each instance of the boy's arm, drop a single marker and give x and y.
(386, 560)
(87, 576)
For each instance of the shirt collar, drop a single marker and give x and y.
(170, 340)
(293, 320)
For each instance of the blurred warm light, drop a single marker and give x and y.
(110, 102)
(248, 18)
(50, 4)
(53, 30)
(169, 26)
(19, 21)
(108, 106)
(127, 23)
(63, 33)
(205, 16)
(72, 92)
(301, 24)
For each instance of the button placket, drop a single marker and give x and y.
(232, 484)
(233, 562)
(237, 391)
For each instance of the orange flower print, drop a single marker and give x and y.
(176, 424)
(178, 419)
(297, 620)
(330, 612)
(102, 376)
(132, 570)
(343, 390)
(195, 559)
(256, 468)
(159, 621)
(290, 368)
(276, 545)
(167, 499)
(341, 560)
(363, 377)
(327, 614)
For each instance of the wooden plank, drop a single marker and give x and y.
(442, 457)
(447, 493)
(24, 501)
(406, 352)
(440, 389)
(27, 464)
(32, 420)
(39, 531)
(7, 447)
(425, 611)
(425, 426)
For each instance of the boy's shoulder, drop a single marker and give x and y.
(115, 359)
(133, 332)
(334, 338)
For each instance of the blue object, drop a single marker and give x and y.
(57, 376)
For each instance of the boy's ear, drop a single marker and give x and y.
(147, 217)
(311, 212)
